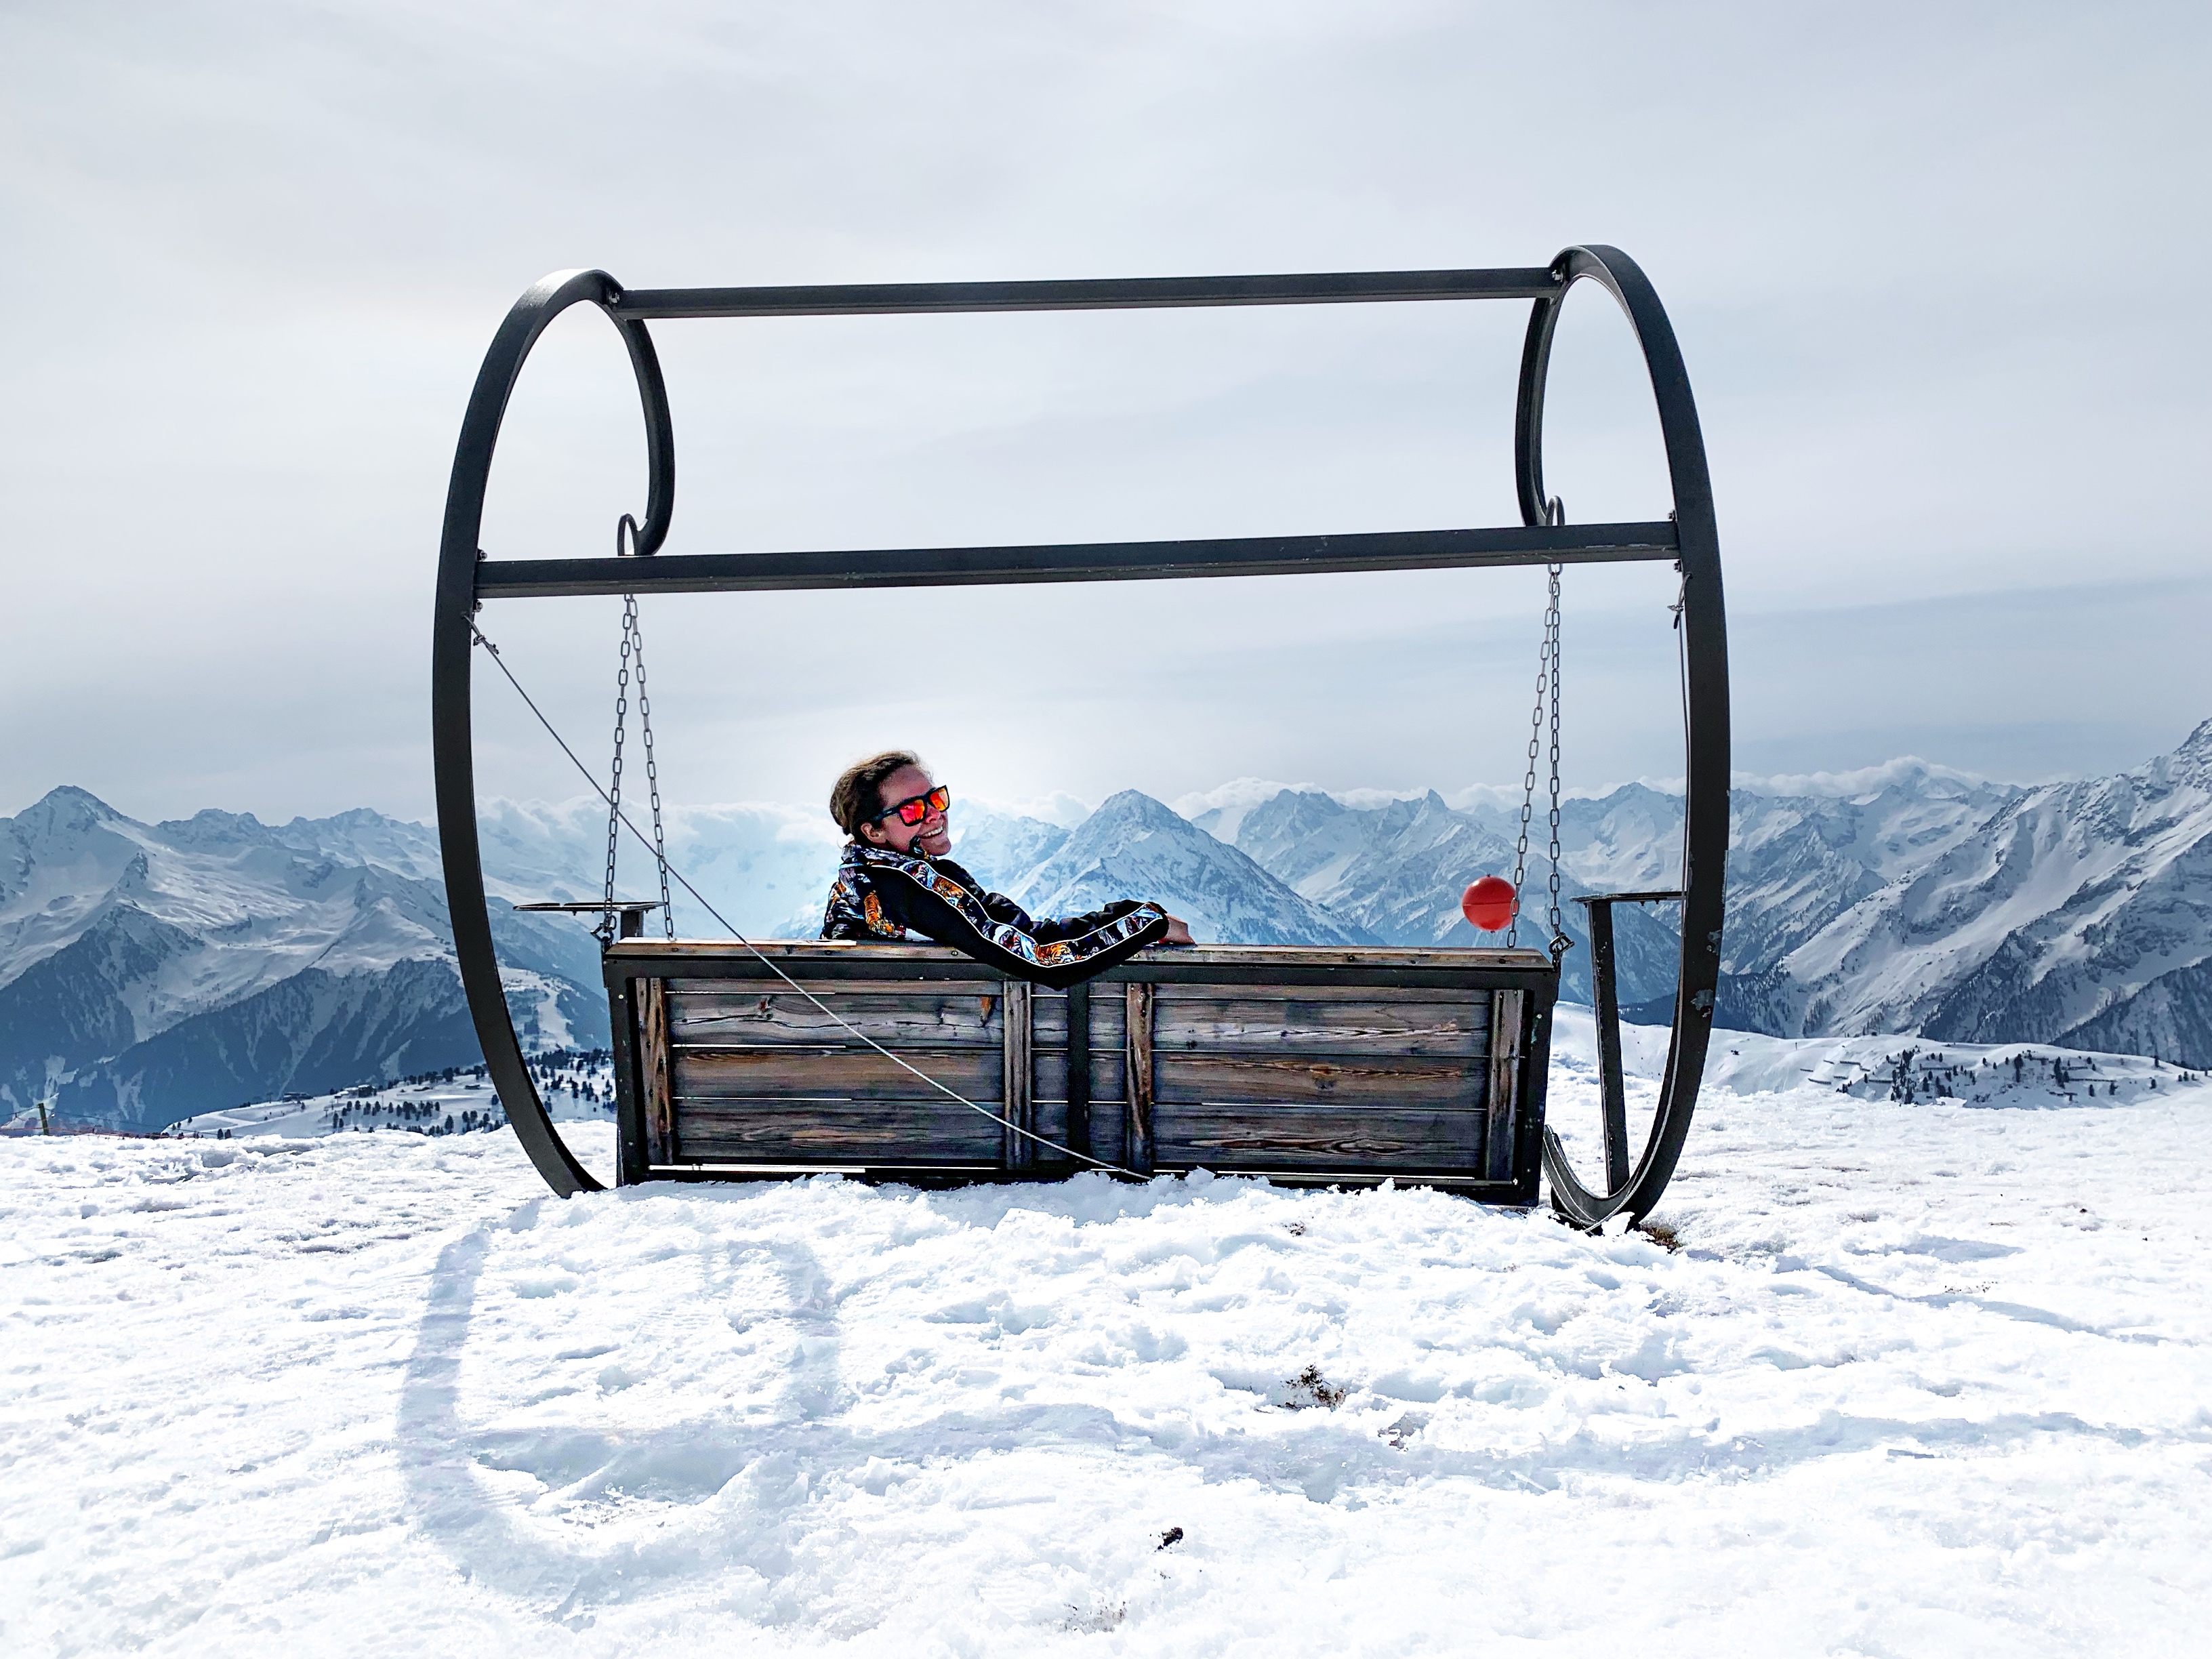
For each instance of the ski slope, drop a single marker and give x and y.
(1927, 1378)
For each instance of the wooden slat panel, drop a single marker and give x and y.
(1345, 1080)
(1347, 988)
(837, 1074)
(1049, 1119)
(679, 956)
(1049, 1077)
(1109, 1117)
(1049, 1017)
(976, 981)
(834, 1132)
(1295, 1024)
(1503, 1094)
(758, 1016)
(1015, 1081)
(1077, 1091)
(1292, 1136)
(1049, 1071)
(653, 1068)
(1109, 1018)
(1137, 1122)
(1110, 1074)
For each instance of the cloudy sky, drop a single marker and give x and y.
(1937, 272)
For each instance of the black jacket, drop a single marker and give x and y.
(887, 896)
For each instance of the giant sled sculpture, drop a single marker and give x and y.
(1318, 1065)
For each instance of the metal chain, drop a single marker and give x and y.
(635, 641)
(1559, 941)
(633, 651)
(1528, 784)
(606, 928)
(1547, 693)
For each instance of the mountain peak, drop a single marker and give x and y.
(1135, 847)
(2193, 754)
(209, 827)
(1135, 807)
(65, 809)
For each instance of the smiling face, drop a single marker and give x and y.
(932, 836)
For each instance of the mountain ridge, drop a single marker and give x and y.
(139, 958)
(150, 970)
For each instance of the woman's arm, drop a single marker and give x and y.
(930, 897)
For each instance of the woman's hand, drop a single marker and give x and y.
(1178, 932)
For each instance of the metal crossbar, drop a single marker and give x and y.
(1087, 294)
(1085, 562)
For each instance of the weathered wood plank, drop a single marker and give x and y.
(1110, 1019)
(1295, 1024)
(1137, 1123)
(1107, 1080)
(1348, 986)
(1018, 1151)
(793, 954)
(1049, 1017)
(1110, 1118)
(754, 1016)
(1049, 1119)
(1286, 1136)
(654, 1070)
(832, 1131)
(1339, 1080)
(1077, 1090)
(837, 1074)
(1502, 1096)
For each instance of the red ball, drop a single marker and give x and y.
(1490, 903)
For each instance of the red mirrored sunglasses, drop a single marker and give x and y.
(916, 808)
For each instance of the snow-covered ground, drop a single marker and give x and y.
(1926, 1378)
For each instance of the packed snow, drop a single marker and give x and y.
(1923, 1377)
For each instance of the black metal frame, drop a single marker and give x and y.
(1690, 539)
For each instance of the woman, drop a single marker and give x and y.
(895, 882)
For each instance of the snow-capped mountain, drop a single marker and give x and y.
(1001, 849)
(151, 971)
(1906, 898)
(1796, 861)
(148, 971)
(2077, 913)
(1132, 847)
(1398, 869)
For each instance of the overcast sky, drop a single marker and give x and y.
(1937, 272)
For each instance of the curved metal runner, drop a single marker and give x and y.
(1705, 737)
(1689, 539)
